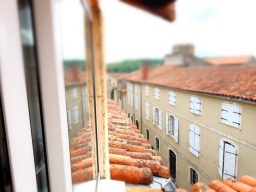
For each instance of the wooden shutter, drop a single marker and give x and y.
(176, 128)
(197, 141)
(191, 138)
(230, 155)
(225, 113)
(236, 116)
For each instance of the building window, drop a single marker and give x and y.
(136, 96)
(231, 115)
(130, 93)
(147, 134)
(195, 105)
(157, 93)
(147, 90)
(227, 160)
(172, 98)
(147, 111)
(194, 140)
(157, 117)
(193, 176)
(172, 126)
(74, 93)
(128, 115)
(157, 144)
(75, 114)
(69, 119)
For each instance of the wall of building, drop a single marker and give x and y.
(81, 101)
(212, 130)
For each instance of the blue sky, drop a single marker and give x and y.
(215, 27)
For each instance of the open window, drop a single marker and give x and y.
(228, 154)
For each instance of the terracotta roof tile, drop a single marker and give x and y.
(244, 184)
(232, 60)
(230, 81)
(131, 158)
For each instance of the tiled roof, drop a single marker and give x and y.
(231, 81)
(231, 60)
(74, 77)
(131, 158)
(244, 184)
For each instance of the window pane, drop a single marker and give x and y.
(75, 60)
(33, 91)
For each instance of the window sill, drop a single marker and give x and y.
(103, 185)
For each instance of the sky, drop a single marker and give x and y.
(215, 27)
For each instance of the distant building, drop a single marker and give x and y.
(76, 101)
(199, 119)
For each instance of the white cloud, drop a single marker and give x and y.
(216, 27)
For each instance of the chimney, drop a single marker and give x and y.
(145, 72)
(179, 52)
(75, 74)
(184, 49)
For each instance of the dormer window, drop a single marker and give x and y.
(157, 93)
(172, 98)
(231, 115)
(195, 105)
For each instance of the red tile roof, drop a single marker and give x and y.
(230, 81)
(244, 184)
(131, 158)
(74, 77)
(231, 60)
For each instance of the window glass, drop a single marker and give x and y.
(33, 92)
(75, 37)
(193, 176)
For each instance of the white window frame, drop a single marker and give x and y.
(195, 105)
(157, 93)
(159, 123)
(172, 99)
(231, 114)
(156, 138)
(194, 136)
(15, 109)
(221, 158)
(53, 94)
(147, 111)
(174, 132)
(146, 90)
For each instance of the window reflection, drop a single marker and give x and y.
(33, 91)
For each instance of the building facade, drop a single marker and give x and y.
(200, 136)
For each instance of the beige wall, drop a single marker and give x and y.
(212, 130)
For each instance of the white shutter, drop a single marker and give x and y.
(191, 105)
(160, 119)
(236, 116)
(69, 120)
(225, 113)
(191, 138)
(197, 141)
(167, 123)
(153, 115)
(176, 132)
(221, 157)
(229, 161)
